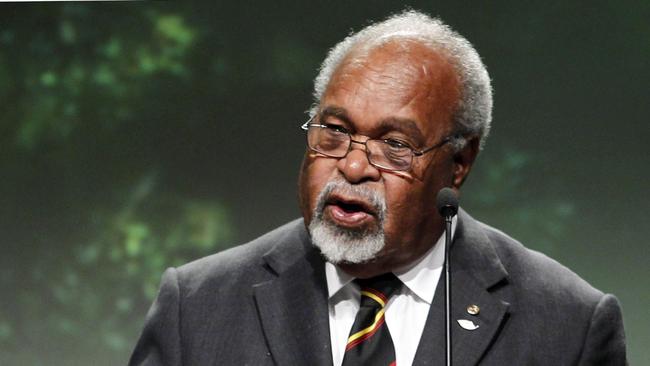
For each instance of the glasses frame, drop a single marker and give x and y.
(414, 153)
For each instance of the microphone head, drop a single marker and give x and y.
(447, 202)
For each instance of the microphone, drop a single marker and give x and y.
(447, 204)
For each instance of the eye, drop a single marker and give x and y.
(397, 144)
(336, 128)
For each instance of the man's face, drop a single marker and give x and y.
(402, 91)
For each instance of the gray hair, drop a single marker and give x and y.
(474, 111)
(342, 245)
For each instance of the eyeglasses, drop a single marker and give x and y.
(387, 154)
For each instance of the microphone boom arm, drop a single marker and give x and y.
(447, 203)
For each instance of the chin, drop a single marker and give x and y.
(341, 245)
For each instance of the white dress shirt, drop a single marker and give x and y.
(406, 311)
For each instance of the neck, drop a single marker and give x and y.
(393, 260)
(378, 266)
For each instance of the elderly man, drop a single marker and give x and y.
(402, 109)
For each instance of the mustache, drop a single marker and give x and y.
(371, 198)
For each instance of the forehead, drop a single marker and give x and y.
(398, 80)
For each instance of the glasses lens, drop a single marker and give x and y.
(389, 156)
(328, 141)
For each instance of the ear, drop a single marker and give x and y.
(463, 161)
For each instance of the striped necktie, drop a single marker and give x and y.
(369, 342)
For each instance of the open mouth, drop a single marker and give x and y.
(349, 212)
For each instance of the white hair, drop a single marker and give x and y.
(342, 245)
(474, 111)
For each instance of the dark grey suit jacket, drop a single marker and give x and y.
(265, 303)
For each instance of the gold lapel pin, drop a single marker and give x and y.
(473, 309)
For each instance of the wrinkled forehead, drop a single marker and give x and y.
(404, 61)
(398, 73)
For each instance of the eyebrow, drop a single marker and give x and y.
(337, 112)
(404, 125)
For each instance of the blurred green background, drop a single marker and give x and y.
(140, 135)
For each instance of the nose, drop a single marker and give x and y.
(355, 166)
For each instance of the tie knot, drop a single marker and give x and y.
(376, 291)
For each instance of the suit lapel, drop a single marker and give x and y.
(476, 269)
(293, 306)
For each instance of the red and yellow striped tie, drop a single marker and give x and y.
(369, 342)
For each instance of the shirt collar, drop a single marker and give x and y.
(336, 279)
(417, 276)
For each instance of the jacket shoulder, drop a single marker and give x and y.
(538, 273)
(240, 264)
(580, 324)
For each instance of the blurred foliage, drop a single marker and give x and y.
(88, 205)
(74, 64)
(499, 192)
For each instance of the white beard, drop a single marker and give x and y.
(343, 245)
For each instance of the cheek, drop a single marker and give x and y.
(314, 175)
(400, 203)
(442, 173)
(408, 205)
